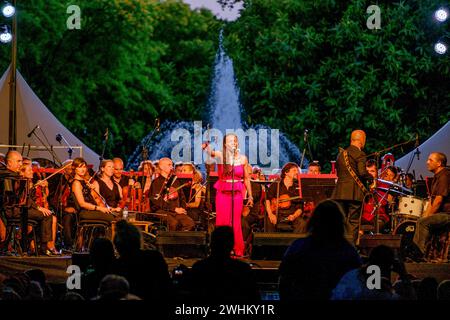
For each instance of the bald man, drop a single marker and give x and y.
(437, 215)
(14, 162)
(347, 191)
(174, 207)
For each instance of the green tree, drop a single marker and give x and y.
(315, 64)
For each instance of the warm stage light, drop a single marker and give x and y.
(8, 10)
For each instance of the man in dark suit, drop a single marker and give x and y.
(348, 191)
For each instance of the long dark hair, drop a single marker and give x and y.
(76, 163)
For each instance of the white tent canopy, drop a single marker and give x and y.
(30, 112)
(439, 142)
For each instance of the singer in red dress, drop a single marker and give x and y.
(231, 185)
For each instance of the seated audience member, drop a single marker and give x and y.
(313, 265)
(145, 270)
(102, 258)
(354, 284)
(220, 278)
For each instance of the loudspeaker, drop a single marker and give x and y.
(272, 245)
(367, 242)
(183, 244)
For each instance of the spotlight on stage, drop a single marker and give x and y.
(440, 47)
(441, 14)
(8, 10)
(5, 35)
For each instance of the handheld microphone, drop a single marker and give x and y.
(32, 131)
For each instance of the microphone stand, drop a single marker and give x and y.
(232, 190)
(306, 144)
(50, 150)
(69, 147)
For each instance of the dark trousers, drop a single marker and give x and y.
(178, 222)
(247, 222)
(33, 214)
(352, 210)
(297, 226)
(68, 221)
(425, 226)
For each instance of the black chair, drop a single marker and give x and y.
(13, 226)
(86, 233)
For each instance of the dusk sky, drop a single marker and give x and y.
(227, 14)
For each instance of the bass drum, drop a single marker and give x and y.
(406, 229)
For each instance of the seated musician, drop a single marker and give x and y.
(289, 212)
(390, 173)
(63, 202)
(166, 199)
(437, 215)
(118, 176)
(369, 211)
(38, 199)
(195, 203)
(252, 215)
(308, 206)
(144, 182)
(42, 215)
(90, 206)
(106, 187)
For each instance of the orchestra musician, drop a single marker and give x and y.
(374, 198)
(91, 206)
(167, 198)
(195, 203)
(283, 206)
(252, 215)
(437, 215)
(14, 163)
(106, 187)
(64, 203)
(118, 176)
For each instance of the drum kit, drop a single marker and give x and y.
(407, 209)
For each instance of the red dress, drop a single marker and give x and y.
(226, 199)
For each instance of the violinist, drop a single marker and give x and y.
(118, 176)
(144, 182)
(254, 214)
(106, 187)
(64, 202)
(374, 198)
(289, 212)
(44, 216)
(85, 195)
(195, 202)
(167, 198)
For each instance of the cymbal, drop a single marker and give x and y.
(392, 191)
(395, 185)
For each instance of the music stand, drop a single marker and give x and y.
(316, 187)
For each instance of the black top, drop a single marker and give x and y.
(346, 187)
(157, 192)
(441, 187)
(112, 196)
(291, 192)
(123, 181)
(86, 192)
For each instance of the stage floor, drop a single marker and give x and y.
(266, 271)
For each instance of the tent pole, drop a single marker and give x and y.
(12, 84)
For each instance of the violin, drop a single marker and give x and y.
(173, 192)
(283, 202)
(99, 200)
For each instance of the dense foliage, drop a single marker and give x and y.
(315, 65)
(130, 62)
